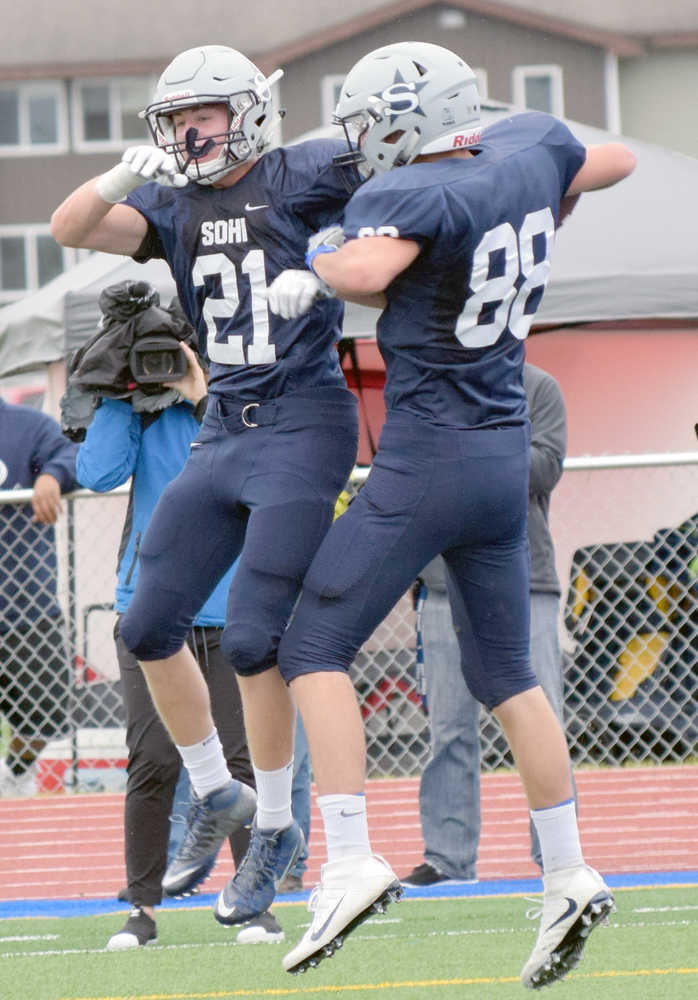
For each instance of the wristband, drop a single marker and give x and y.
(117, 183)
(312, 254)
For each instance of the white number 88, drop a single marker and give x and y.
(518, 261)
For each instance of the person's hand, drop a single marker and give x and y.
(46, 499)
(292, 293)
(193, 386)
(139, 164)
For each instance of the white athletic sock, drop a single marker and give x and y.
(559, 836)
(274, 797)
(206, 765)
(346, 825)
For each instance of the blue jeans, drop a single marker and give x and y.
(449, 791)
(300, 792)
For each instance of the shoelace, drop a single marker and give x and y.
(535, 911)
(314, 899)
(261, 867)
(201, 833)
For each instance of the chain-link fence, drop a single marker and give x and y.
(626, 537)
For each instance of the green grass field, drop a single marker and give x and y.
(458, 948)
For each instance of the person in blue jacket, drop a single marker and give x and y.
(34, 666)
(151, 448)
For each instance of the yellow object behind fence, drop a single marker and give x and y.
(637, 662)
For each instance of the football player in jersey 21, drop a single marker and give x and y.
(454, 230)
(277, 444)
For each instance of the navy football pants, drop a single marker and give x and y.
(266, 493)
(460, 492)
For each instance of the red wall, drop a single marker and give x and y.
(627, 391)
(632, 391)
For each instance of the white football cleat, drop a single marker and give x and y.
(575, 901)
(350, 890)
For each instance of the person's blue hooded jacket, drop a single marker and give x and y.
(151, 448)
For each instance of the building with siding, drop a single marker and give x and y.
(74, 75)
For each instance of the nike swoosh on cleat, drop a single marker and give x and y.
(224, 910)
(321, 930)
(253, 208)
(571, 907)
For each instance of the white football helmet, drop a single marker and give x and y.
(404, 100)
(214, 74)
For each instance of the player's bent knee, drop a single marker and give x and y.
(149, 642)
(301, 652)
(249, 647)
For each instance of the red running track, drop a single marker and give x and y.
(632, 821)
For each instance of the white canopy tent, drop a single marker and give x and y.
(627, 253)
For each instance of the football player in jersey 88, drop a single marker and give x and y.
(455, 231)
(278, 441)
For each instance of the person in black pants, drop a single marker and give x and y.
(151, 447)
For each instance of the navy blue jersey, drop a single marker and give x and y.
(226, 245)
(453, 329)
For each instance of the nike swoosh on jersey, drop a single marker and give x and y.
(253, 208)
(571, 907)
(321, 930)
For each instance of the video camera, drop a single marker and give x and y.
(136, 349)
(156, 359)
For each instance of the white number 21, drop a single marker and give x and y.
(518, 261)
(232, 350)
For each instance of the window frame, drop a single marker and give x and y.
(25, 90)
(29, 233)
(520, 74)
(329, 94)
(116, 143)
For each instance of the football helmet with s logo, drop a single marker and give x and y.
(404, 100)
(214, 74)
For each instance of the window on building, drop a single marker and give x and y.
(105, 112)
(33, 118)
(538, 88)
(331, 87)
(29, 257)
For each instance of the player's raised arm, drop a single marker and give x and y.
(363, 266)
(604, 165)
(92, 218)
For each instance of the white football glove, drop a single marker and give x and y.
(139, 164)
(292, 293)
(331, 236)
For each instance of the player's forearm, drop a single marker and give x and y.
(605, 165)
(76, 218)
(87, 221)
(365, 267)
(349, 272)
(375, 301)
